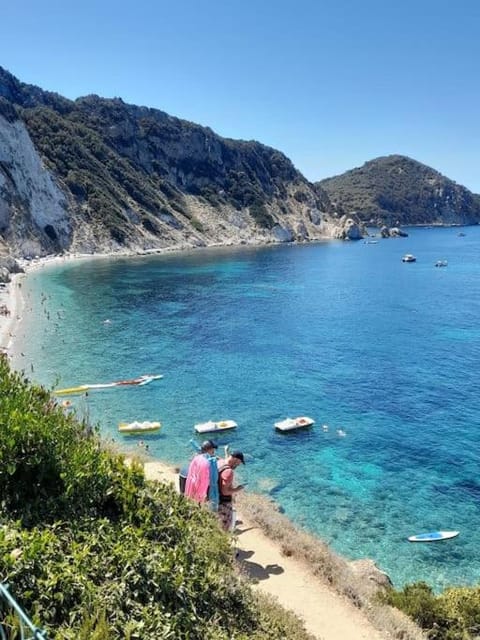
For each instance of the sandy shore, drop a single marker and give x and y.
(11, 299)
(326, 614)
(11, 296)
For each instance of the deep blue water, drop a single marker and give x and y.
(344, 332)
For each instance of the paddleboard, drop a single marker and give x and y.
(433, 536)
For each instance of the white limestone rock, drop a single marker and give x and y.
(30, 201)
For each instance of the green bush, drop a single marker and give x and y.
(197, 225)
(452, 615)
(419, 602)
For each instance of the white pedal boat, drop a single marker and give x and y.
(291, 424)
(210, 426)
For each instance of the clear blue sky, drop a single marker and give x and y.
(331, 83)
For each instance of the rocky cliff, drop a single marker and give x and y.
(396, 190)
(98, 175)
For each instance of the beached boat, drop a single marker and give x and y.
(207, 427)
(83, 388)
(137, 428)
(291, 424)
(409, 258)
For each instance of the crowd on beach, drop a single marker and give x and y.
(210, 480)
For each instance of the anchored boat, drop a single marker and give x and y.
(291, 424)
(210, 426)
(136, 428)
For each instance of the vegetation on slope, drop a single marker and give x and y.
(93, 551)
(109, 193)
(453, 614)
(398, 190)
(132, 172)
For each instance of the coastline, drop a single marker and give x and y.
(11, 298)
(274, 568)
(324, 610)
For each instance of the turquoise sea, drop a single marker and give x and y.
(343, 332)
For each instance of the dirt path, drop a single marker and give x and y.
(326, 614)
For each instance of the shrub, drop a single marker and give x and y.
(452, 615)
(261, 216)
(197, 225)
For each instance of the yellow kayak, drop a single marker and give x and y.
(72, 390)
(136, 428)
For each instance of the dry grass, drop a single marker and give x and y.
(323, 563)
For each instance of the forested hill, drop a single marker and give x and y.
(98, 174)
(396, 190)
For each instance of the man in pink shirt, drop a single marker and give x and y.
(226, 489)
(198, 476)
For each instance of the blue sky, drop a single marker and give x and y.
(331, 83)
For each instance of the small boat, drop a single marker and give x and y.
(207, 427)
(433, 536)
(135, 428)
(83, 388)
(441, 263)
(291, 424)
(409, 258)
(140, 381)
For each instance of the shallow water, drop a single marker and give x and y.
(346, 333)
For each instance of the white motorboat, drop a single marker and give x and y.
(210, 426)
(441, 263)
(408, 257)
(291, 424)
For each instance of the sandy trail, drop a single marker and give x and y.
(326, 614)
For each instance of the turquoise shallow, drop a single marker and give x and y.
(387, 352)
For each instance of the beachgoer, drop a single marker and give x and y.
(202, 472)
(226, 469)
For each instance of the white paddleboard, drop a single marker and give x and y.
(433, 536)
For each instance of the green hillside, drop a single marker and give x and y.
(396, 190)
(134, 175)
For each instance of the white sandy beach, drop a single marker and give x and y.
(326, 614)
(10, 296)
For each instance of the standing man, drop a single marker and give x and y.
(226, 469)
(202, 473)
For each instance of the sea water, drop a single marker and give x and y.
(385, 354)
